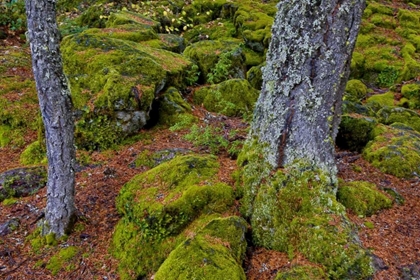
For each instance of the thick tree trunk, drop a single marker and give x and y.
(55, 103)
(298, 112)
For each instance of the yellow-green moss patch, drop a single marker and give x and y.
(62, 259)
(362, 198)
(215, 252)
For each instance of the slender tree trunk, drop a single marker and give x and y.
(56, 108)
(298, 112)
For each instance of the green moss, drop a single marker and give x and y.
(357, 66)
(384, 99)
(412, 92)
(411, 67)
(394, 150)
(58, 261)
(232, 98)
(130, 32)
(362, 198)
(384, 21)
(215, 252)
(113, 81)
(380, 8)
(409, 19)
(9, 201)
(206, 54)
(254, 76)
(34, 153)
(294, 210)
(369, 225)
(171, 105)
(390, 115)
(158, 207)
(122, 18)
(301, 272)
(355, 91)
(355, 132)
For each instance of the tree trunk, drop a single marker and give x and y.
(298, 112)
(56, 108)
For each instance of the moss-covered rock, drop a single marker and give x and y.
(362, 198)
(412, 93)
(164, 205)
(254, 76)
(22, 181)
(170, 105)
(232, 98)
(394, 150)
(390, 115)
(207, 55)
(356, 91)
(114, 83)
(294, 210)
(152, 159)
(355, 132)
(215, 252)
(381, 100)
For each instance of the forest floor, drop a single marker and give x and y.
(394, 238)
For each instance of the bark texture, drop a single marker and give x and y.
(56, 108)
(298, 111)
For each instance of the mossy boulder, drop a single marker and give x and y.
(152, 159)
(380, 100)
(215, 252)
(355, 132)
(233, 97)
(363, 198)
(164, 205)
(390, 115)
(394, 150)
(122, 18)
(114, 83)
(22, 181)
(412, 93)
(207, 54)
(170, 105)
(294, 210)
(356, 91)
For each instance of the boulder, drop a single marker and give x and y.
(235, 97)
(163, 207)
(22, 181)
(394, 150)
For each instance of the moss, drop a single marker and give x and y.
(34, 153)
(390, 115)
(254, 76)
(355, 132)
(362, 198)
(369, 225)
(171, 104)
(159, 205)
(355, 91)
(232, 98)
(206, 54)
(94, 16)
(214, 30)
(411, 67)
(294, 210)
(152, 159)
(412, 92)
(122, 18)
(301, 272)
(114, 91)
(384, 21)
(58, 261)
(378, 8)
(169, 42)
(384, 99)
(394, 150)
(130, 32)
(9, 201)
(357, 66)
(409, 19)
(215, 252)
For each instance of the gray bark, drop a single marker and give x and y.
(298, 111)
(55, 104)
